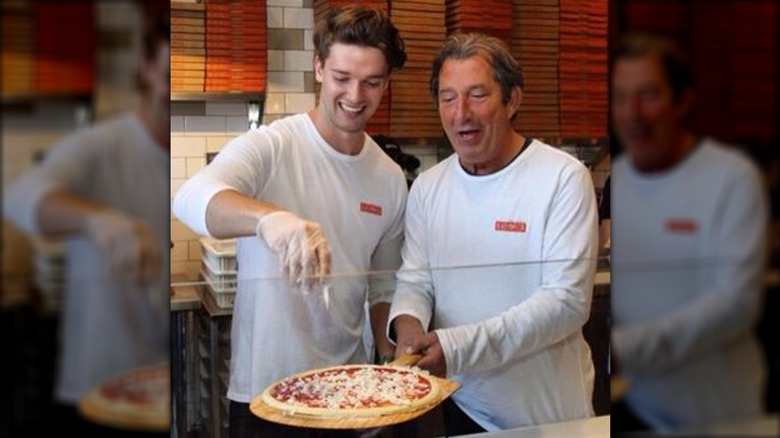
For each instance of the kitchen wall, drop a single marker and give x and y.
(31, 128)
(198, 128)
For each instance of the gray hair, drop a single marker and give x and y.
(506, 70)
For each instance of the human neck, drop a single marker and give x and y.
(347, 143)
(507, 154)
(160, 132)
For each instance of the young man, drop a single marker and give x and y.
(311, 195)
(510, 329)
(103, 189)
(689, 234)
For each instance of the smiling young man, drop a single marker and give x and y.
(510, 329)
(311, 195)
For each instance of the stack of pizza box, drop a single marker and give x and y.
(218, 269)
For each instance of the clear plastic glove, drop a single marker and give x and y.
(304, 253)
(128, 245)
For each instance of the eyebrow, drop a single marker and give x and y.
(342, 72)
(479, 87)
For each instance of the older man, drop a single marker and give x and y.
(509, 329)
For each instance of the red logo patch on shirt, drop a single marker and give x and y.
(370, 208)
(681, 225)
(511, 226)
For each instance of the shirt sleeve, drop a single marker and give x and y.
(386, 258)
(414, 285)
(729, 309)
(241, 165)
(67, 165)
(558, 308)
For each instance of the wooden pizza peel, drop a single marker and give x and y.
(446, 388)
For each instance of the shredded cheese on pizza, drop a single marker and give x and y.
(352, 389)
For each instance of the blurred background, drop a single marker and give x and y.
(732, 48)
(66, 66)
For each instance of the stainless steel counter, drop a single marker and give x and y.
(595, 427)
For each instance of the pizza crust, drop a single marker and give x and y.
(408, 405)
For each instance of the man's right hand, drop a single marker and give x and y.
(127, 244)
(303, 250)
(407, 330)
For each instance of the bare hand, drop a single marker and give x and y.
(433, 356)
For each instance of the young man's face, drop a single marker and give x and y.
(472, 113)
(156, 74)
(353, 79)
(645, 114)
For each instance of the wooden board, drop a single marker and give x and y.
(262, 410)
(618, 387)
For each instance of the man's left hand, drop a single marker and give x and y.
(433, 356)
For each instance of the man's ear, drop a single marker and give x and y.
(513, 106)
(318, 74)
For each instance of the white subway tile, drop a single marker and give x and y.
(195, 251)
(287, 3)
(268, 118)
(237, 125)
(299, 60)
(179, 252)
(214, 143)
(281, 82)
(179, 269)
(274, 103)
(194, 164)
(176, 185)
(178, 167)
(275, 60)
(225, 108)
(179, 231)
(298, 18)
(177, 124)
(299, 102)
(275, 17)
(205, 124)
(308, 39)
(188, 146)
(193, 269)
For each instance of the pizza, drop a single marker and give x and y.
(353, 390)
(138, 399)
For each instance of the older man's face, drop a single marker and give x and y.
(645, 114)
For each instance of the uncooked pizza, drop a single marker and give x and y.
(353, 390)
(139, 399)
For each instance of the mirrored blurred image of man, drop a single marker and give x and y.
(689, 224)
(104, 190)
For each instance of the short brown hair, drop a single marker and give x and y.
(678, 72)
(363, 27)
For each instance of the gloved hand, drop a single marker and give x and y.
(304, 253)
(127, 244)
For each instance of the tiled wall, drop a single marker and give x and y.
(30, 131)
(201, 127)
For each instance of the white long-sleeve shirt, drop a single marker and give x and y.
(687, 263)
(358, 200)
(509, 316)
(107, 327)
